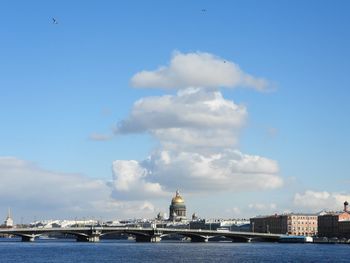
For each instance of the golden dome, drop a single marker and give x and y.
(177, 198)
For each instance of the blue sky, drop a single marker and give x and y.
(61, 83)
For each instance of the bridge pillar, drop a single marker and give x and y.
(93, 235)
(153, 239)
(156, 239)
(199, 239)
(93, 238)
(28, 238)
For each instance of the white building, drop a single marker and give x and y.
(8, 221)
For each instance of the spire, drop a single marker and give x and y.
(8, 221)
(346, 206)
(177, 192)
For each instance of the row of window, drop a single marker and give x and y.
(302, 228)
(302, 233)
(304, 217)
(303, 223)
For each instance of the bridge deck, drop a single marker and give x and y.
(100, 231)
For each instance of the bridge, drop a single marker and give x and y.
(94, 233)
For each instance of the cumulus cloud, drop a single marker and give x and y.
(192, 117)
(29, 188)
(197, 130)
(320, 200)
(198, 70)
(229, 170)
(130, 177)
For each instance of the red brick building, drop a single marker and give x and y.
(291, 224)
(335, 224)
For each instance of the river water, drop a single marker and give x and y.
(129, 251)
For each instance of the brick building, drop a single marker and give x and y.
(292, 224)
(335, 224)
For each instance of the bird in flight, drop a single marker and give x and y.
(54, 21)
(204, 10)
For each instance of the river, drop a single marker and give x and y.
(13, 250)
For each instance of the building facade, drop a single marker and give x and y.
(177, 209)
(335, 224)
(291, 224)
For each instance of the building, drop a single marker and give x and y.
(177, 209)
(204, 224)
(344, 229)
(221, 224)
(160, 216)
(335, 224)
(291, 224)
(8, 221)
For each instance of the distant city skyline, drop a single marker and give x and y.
(107, 109)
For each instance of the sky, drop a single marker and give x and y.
(240, 105)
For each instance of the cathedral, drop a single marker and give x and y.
(177, 209)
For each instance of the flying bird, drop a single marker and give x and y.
(204, 10)
(54, 21)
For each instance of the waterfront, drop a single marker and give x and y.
(11, 250)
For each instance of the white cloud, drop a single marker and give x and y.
(130, 209)
(260, 207)
(316, 201)
(32, 190)
(193, 118)
(130, 177)
(198, 70)
(197, 130)
(229, 170)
